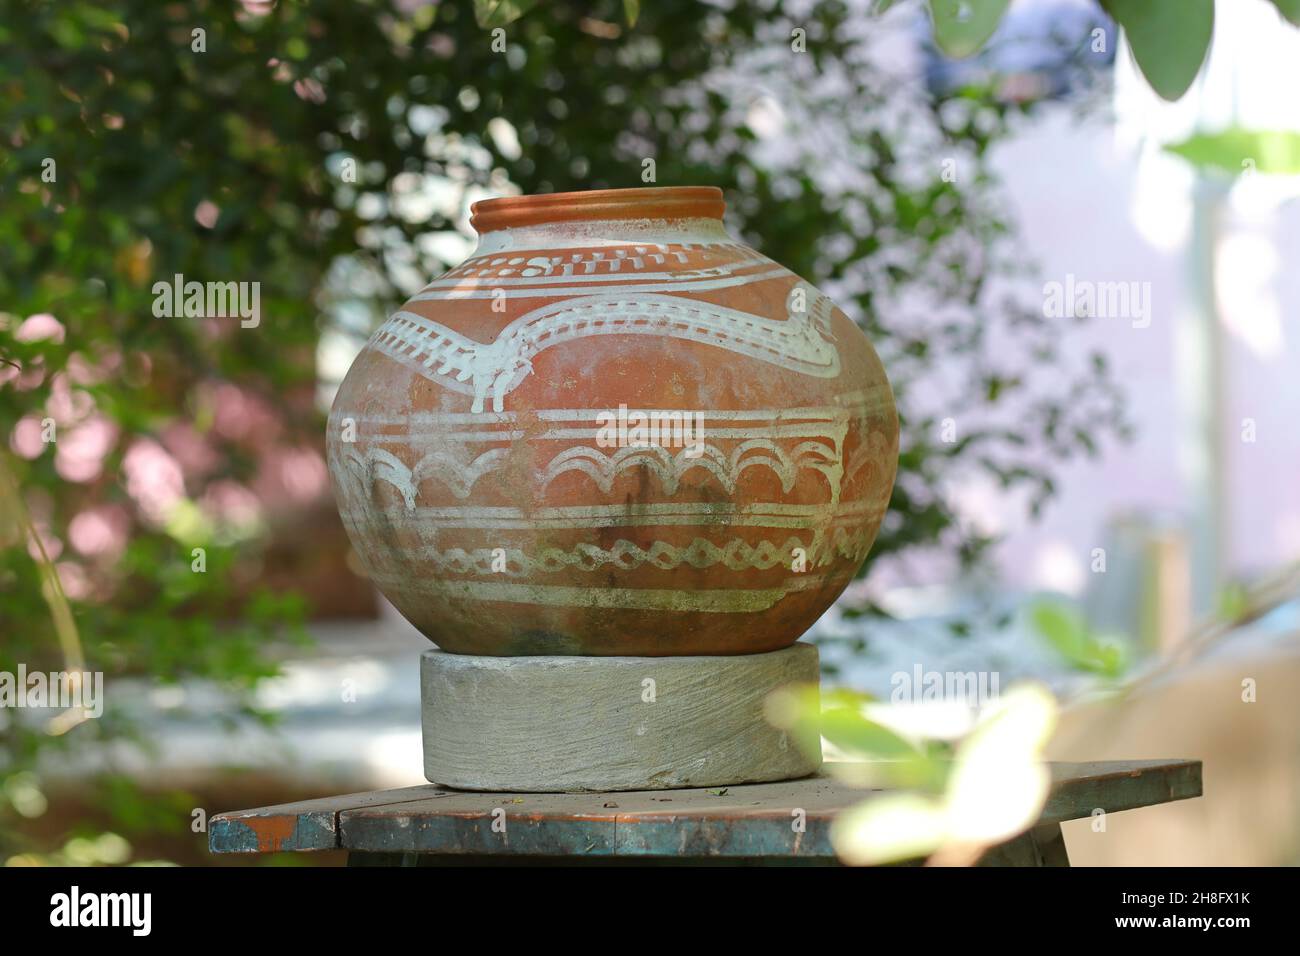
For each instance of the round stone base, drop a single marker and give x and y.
(557, 724)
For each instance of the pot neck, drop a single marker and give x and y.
(600, 217)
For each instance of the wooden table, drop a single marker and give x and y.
(427, 825)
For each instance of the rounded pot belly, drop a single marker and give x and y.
(634, 436)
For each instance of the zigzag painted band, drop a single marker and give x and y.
(625, 555)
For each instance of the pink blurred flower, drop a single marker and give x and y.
(153, 478)
(75, 581)
(195, 454)
(66, 404)
(281, 72)
(310, 90)
(206, 213)
(28, 378)
(82, 449)
(53, 546)
(100, 531)
(239, 415)
(25, 439)
(292, 475)
(85, 371)
(40, 326)
(231, 503)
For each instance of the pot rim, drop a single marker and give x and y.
(650, 202)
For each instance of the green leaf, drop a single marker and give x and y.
(631, 10)
(864, 738)
(1289, 9)
(1237, 150)
(1063, 628)
(1169, 39)
(1067, 631)
(838, 716)
(961, 27)
(497, 13)
(1234, 601)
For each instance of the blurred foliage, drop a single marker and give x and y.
(1066, 630)
(496, 13)
(213, 140)
(1239, 152)
(840, 717)
(1169, 39)
(949, 801)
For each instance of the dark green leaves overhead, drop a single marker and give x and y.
(1289, 9)
(1169, 39)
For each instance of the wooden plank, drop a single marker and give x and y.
(789, 819)
(484, 824)
(1115, 785)
(302, 826)
(751, 821)
(746, 821)
(755, 821)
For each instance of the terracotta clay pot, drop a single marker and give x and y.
(489, 469)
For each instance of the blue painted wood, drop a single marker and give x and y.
(306, 831)
(480, 832)
(298, 827)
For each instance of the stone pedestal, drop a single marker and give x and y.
(558, 724)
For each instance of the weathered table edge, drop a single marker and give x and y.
(298, 827)
(363, 822)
